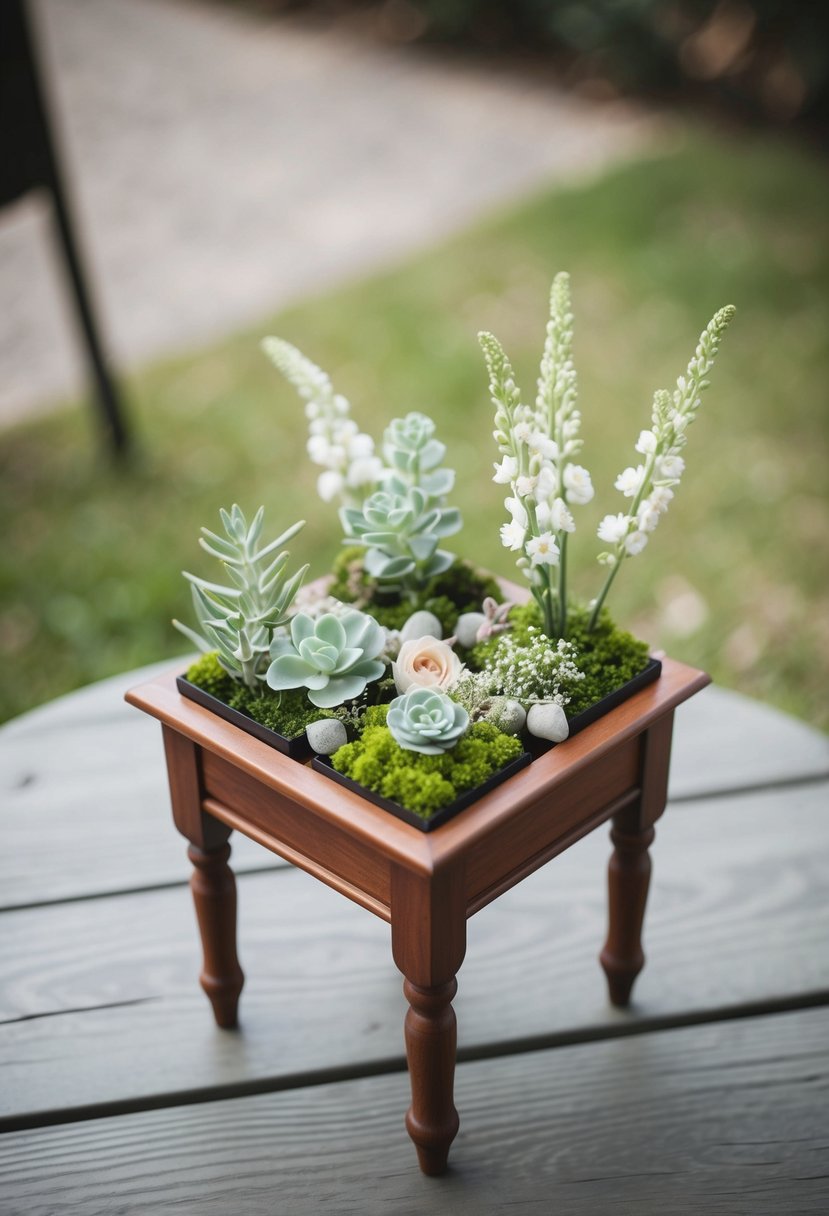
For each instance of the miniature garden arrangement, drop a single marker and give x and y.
(408, 672)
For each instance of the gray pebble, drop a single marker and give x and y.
(326, 735)
(466, 630)
(421, 624)
(546, 720)
(509, 716)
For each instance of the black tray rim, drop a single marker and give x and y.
(322, 764)
(297, 748)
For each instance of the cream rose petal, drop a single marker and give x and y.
(426, 663)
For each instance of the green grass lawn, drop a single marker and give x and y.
(734, 580)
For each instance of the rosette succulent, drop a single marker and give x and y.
(410, 448)
(425, 720)
(333, 657)
(401, 531)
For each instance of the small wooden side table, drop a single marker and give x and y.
(425, 885)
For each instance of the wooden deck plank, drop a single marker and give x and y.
(723, 1118)
(738, 915)
(86, 774)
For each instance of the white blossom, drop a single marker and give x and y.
(646, 443)
(506, 471)
(547, 484)
(560, 517)
(512, 535)
(635, 542)
(541, 445)
(364, 471)
(542, 550)
(648, 517)
(660, 498)
(629, 482)
(330, 484)
(578, 485)
(525, 485)
(671, 467)
(317, 448)
(613, 528)
(521, 432)
(517, 510)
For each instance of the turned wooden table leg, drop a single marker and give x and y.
(430, 1029)
(428, 933)
(214, 895)
(212, 881)
(629, 873)
(629, 876)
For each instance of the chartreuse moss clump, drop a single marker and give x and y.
(462, 588)
(607, 655)
(287, 714)
(423, 784)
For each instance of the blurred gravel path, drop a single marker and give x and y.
(224, 165)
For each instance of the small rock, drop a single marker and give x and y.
(326, 735)
(421, 625)
(466, 630)
(509, 716)
(546, 720)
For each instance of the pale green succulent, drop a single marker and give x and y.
(401, 531)
(427, 721)
(238, 621)
(333, 657)
(409, 447)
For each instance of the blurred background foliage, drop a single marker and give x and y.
(735, 578)
(764, 60)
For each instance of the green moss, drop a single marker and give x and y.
(423, 784)
(287, 713)
(208, 674)
(608, 656)
(460, 589)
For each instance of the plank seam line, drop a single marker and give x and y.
(760, 787)
(397, 1064)
(58, 1013)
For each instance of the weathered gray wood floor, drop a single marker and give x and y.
(118, 1093)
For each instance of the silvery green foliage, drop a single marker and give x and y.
(400, 529)
(424, 720)
(238, 620)
(333, 657)
(412, 452)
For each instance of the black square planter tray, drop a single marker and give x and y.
(322, 764)
(297, 748)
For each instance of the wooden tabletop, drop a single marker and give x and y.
(118, 1093)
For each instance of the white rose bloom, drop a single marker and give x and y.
(578, 485)
(506, 471)
(541, 445)
(646, 443)
(426, 663)
(635, 543)
(613, 528)
(561, 518)
(512, 536)
(542, 550)
(525, 485)
(630, 480)
(670, 466)
(329, 485)
(517, 510)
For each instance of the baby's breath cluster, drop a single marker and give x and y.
(650, 484)
(535, 670)
(335, 441)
